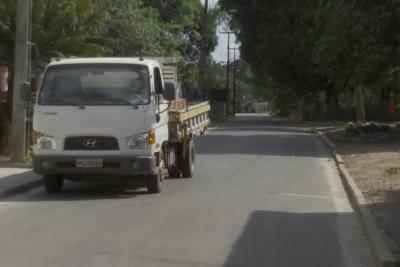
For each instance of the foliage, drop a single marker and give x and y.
(248, 88)
(217, 117)
(67, 28)
(359, 42)
(278, 40)
(366, 128)
(109, 27)
(135, 29)
(92, 28)
(303, 48)
(181, 20)
(7, 28)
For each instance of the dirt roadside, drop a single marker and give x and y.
(374, 162)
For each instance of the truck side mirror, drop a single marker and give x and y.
(25, 91)
(158, 82)
(170, 91)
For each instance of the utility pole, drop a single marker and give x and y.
(234, 81)
(203, 49)
(228, 91)
(21, 74)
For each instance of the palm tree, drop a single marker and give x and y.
(67, 28)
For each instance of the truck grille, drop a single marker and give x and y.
(91, 143)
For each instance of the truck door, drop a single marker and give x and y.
(161, 106)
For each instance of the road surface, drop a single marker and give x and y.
(264, 194)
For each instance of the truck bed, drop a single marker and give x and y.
(190, 119)
(180, 111)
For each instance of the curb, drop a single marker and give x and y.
(20, 189)
(380, 249)
(6, 164)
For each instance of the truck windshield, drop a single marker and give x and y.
(94, 84)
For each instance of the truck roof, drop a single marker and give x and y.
(99, 60)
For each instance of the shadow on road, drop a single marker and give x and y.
(283, 239)
(14, 180)
(261, 128)
(78, 191)
(287, 145)
(260, 135)
(387, 214)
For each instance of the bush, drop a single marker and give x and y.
(217, 117)
(366, 128)
(375, 128)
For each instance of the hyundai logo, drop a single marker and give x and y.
(91, 143)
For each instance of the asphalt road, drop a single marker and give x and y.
(264, 194)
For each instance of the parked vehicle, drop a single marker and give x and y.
(122, 117)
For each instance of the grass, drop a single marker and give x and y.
(392, 172)
(28, 158)
(219, 117)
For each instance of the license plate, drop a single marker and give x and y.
(89, 163)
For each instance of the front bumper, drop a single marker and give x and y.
(115, 165)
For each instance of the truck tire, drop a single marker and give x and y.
(155, 183)
(174, 172)
(187, 164)
(53, 183)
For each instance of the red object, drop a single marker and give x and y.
(3, 78)
(392, 111)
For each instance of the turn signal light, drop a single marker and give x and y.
(34, 137)
(152, 137)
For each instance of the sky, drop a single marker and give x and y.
(220, 53)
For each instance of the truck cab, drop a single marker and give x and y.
(100, 116)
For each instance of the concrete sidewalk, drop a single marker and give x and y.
(5, 162)
(15, 180)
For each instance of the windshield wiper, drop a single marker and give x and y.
(119, 101)
(66, 101)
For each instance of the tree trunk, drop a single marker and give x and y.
(359, 104)
(385, 100)
(332, 102)
(10, 94)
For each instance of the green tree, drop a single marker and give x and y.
(181, 20)
(134, 28)
(359, 44)
(7, 29)
(67, 28)
(278, 39)
(157, 28)
(318, 45)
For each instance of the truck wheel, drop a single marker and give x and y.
(155, 182)
(174, 172)
(188, 162)
(53, 183)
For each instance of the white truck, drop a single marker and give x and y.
(107, 117)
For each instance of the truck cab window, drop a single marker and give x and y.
(95, 84)
(158, 81)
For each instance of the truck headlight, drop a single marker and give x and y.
(46, 143)
(138, 142)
